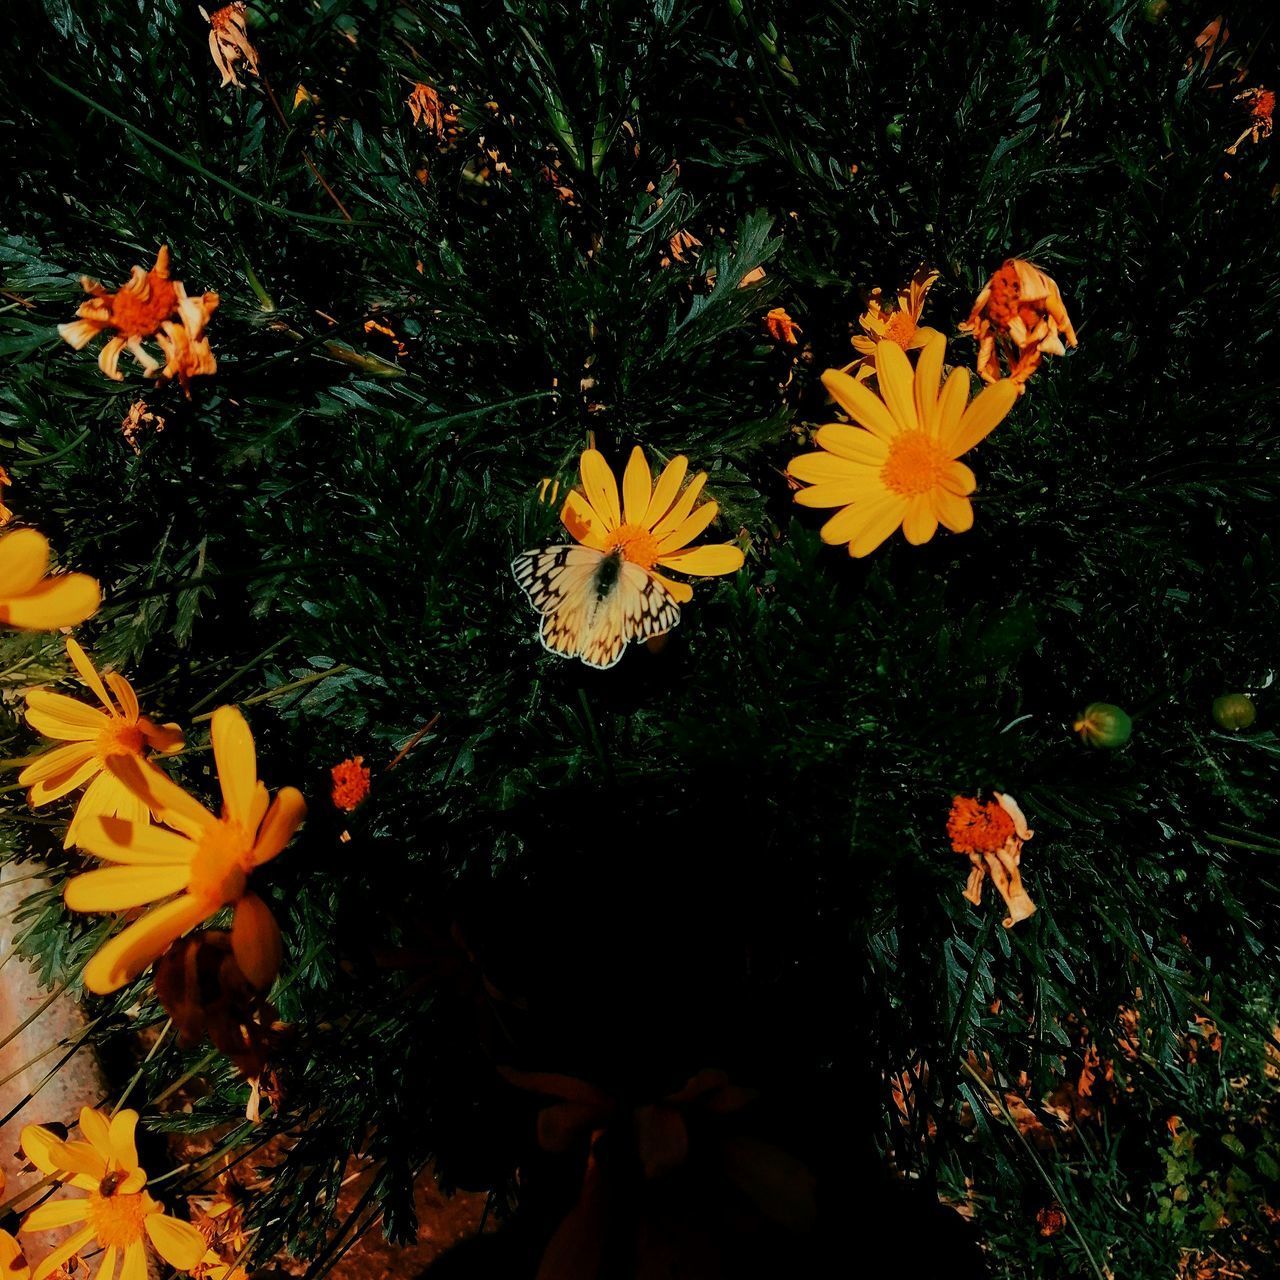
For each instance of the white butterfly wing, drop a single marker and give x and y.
(588, 616)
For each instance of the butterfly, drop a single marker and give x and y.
(593, 602)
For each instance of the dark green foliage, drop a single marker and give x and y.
(731, 853)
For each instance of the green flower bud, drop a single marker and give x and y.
(1103, 725)
(1234, 711)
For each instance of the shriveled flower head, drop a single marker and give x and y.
(898, 465)
(991, 834)
(781, 327)
(1261, 105)
(92, 737)
(652, 524)
(425, 107)
(205, 860)
(186, 350)
(350, 781)
(117, 1215)
(141, 308)
(898, 322)
(1021, 314)
(30, 600)
(229, 43)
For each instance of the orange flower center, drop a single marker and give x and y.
(977, 826)
(140, 314)
(915, 464)
(899, 328)
(120, 738)
(636, 543)
(118, 1220)
(218, 869)
(1006, 292)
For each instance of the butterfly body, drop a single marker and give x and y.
(593, 602)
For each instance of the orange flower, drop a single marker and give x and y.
(781, 327)
(1021, 311)
(350, 784)
(186, 350)
(139, 309)
(991, 833)
(899, 324)
(229, 42)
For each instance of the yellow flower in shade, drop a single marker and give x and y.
(118, 1215)
(229, 43)
(898, 465)
(30, 600)
(92, 737)
(205, 860)
(13, 1263)
(898, 323)
(139, 309)
(1020, 311)
(597, 596)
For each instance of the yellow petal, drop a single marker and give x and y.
(119, 888)
(637, 487)
(258, 806)
(283, 819)
(105, 797)
(136, 844)
(13, 1263)
(815, 468)
(124, 1148)
(989, 408)
(951, 403)
(134, 1266)
(96, 1130)
(107, 1268)
(78, 1158)
(666, 490)
(72, 1244)
(237, 763)
(861, 404)
(87, 673)
(680, 509)
(167, 739)
(920, 523)
(600, 487)
(688, 529)
(54, 765)
(953, 512)
(125, 695)
(705, 562)
(56, 1213)
(126, 955)
(24, 560)
(57, 602)
(583, 522)
(896, 379)
(168, 801)
(878, 523)
(928, 375)
(958, 479)
(681, 592)
(179, 1243)
(838, 493)
(57, 716)
(255, 940)
(853, 443)
(38, 1144)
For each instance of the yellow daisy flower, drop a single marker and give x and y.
(898, 465)
(117, 1214)
(204, 860)
(30, 600)
(898, 323)
(92, 738)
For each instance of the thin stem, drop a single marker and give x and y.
(24, 464)
(137, 1075)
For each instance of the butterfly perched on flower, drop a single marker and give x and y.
(603, 591)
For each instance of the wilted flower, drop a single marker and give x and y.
(350, 784)
(136, 421)
(229, 42)
(991, 833)
(897, 323)
(1021, 311)
(186, 349)
(1261, 105)
(781, 327)
(428, 113)
(679, 245)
